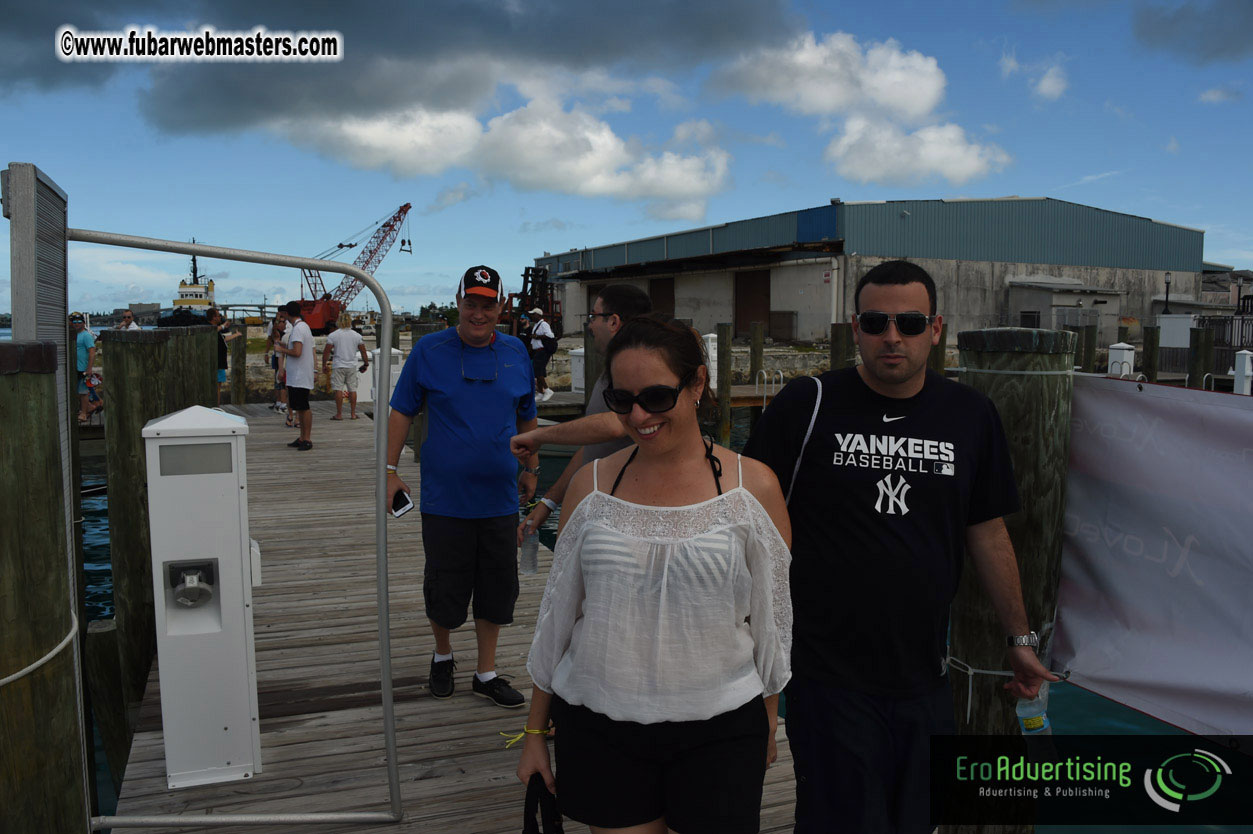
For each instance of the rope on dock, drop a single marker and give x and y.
(41, 661)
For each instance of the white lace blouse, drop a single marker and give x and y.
(665, 613)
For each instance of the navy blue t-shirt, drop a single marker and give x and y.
(474, 398)
(879, 514)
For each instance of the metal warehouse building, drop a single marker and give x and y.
(1035, 262)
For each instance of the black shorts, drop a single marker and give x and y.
(863, 759)
(539, 362)
(298, 398)
(470, 557)
(701, 776)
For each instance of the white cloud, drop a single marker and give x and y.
(1117, 109)
(695, 131)
(543, 147)
(450, 196)
(1173, 145)
(410, 143)
(836, 77)
(1052, 84)
(1218, 95)
(1009, 64)
(879, 151)
(1092, 178)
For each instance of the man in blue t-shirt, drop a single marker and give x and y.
(478, 391)
(85, 358)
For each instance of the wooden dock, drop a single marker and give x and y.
(317, 664)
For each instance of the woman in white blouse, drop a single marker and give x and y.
(664, 633)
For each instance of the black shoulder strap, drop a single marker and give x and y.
(622, 471)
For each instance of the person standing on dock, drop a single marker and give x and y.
(299, 352)
(614, 306)
(477, 388)
(345, 343)
(893, 473)
(127, 322)
(543, 346)
(85, 356)
(214, 316)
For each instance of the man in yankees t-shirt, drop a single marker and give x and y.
(903, 473)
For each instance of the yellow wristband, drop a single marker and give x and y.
(525, 731)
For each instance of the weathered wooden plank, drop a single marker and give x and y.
(317, 663)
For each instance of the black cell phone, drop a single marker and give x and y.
(401, 503)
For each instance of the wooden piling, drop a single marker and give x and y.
(724, 383)
(1088, 357)
(42, 770)
(239, 367)
(104, 689)
(1152, 338)
(1124, 333)
(1200, 355)
(1032, 389)
(756, 364)
(843, 350)
(151, 373)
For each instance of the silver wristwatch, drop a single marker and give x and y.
(1029, 639)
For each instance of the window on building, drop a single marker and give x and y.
(1029, 318)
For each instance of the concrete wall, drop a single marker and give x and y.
(973, 294)
(805, 288)
(706, 298)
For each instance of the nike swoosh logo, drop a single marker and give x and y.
(888, 419)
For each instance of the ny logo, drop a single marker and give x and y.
(894, 494)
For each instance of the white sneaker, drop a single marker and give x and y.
(548, 395)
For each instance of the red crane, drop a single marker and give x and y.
(322, 308)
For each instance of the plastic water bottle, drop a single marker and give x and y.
(528, 557)
(1032, 714)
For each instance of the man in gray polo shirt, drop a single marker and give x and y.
(614, 306)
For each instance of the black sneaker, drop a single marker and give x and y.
(305, 445)
(295, 444)
(498, 690)
(441, 683)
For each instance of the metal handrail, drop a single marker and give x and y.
(1212, 383)
(765, 383)
(381, 412)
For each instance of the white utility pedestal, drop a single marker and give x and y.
(576, 370)
(1244, 373)
(1122, 360)
(366, 394)
(202, 570)
(711, 358)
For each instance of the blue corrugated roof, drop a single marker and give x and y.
(1013, 230)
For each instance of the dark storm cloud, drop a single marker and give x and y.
(441, 54)
(1203, 31)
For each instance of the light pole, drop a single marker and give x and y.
(1166, 306)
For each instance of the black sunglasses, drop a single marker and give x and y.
(655, 399)
(873, 323)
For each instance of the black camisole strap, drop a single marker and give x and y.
(622, 471)
(714, 464)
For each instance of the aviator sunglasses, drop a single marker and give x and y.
(655, 399)
(873, 323)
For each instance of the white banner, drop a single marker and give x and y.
(1155, 606)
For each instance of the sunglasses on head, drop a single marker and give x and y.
(655, 399)
(873, 323)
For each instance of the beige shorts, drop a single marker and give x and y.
(344, 379)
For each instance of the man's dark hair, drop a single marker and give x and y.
(896, 272)
(292, 308)
(627, 301)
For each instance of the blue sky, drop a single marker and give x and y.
(517, 128)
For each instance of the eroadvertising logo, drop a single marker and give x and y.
(1191, 776)
(1090, 780)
